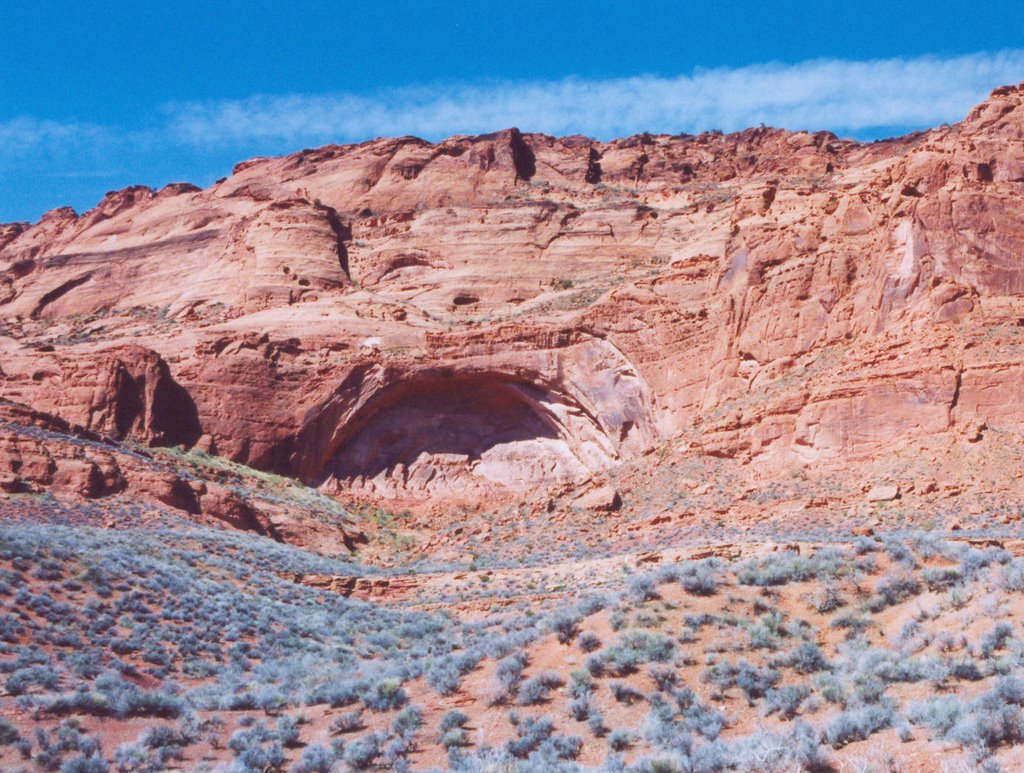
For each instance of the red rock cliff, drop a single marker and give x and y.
(501, 314)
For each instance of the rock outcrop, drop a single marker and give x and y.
(492, 318)
(41, 453)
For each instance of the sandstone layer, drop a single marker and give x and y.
(496, 318)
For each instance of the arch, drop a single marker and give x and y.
(435, 432)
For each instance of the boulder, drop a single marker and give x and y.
(883, 492)
(604, 499)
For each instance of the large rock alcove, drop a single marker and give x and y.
(434, 433)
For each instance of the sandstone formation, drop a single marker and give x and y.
(499, 317)
(44, 453)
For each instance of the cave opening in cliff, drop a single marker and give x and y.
(438, 433)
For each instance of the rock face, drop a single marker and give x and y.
(490, 318)
(40, 452)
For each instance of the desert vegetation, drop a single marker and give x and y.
(148, 649)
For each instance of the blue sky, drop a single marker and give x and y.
(95, 96)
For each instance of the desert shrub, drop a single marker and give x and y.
(1009, 689)
(315, 758)
(582, 684)
(287, 732)
(868, 688)
(384, 695)
(993, 719)
(799, 750)
(939, 578)
(973, 560)
(620, 739)
(642, 589)
(21, 680)
(664, 677)
(900, 552)
(618, 619)
(361, 753)
(536, 689)
(996, 639)
(786, 567)
(10, 628)
(635, 648)
(24, 747)
(241, 701)
(685, 698)
(591, 605)
(163, 743)
(667, 573)
(701, 719)
(766, 632)
(532, 731)
(532, 692)
(255, 749)
(910, 630)
(857, 724)
(706, 758)
(588, 641)
(941, 714)
(786, 700)
(69, 737)
(113, 696)
(335, 694)
(619, 661)
(853, 623)
(965, 669)
(661, 729)
(580, 708)
(445, 674)
(48, 756)
(989, 724)
(509, 674)
(807, 658)
(453, 719)
(86, 664)
(894, 589)
(48, 570)
(408, 721)
(349, 722)
(866, 564)
(394, 755)
(550, 754)
(8, 732)
(85, 763)
(893, 668)
(699, 577)
(443, 677)
(194, 599)
(136, 758)
(829, 600)
(596, 724)
(454, 738)
(753, 681)
(566, 626)
(864, 545)
(624, 693)
(1013, 575)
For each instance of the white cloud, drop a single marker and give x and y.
(845, 96)
(26, 134)
(201, 141)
